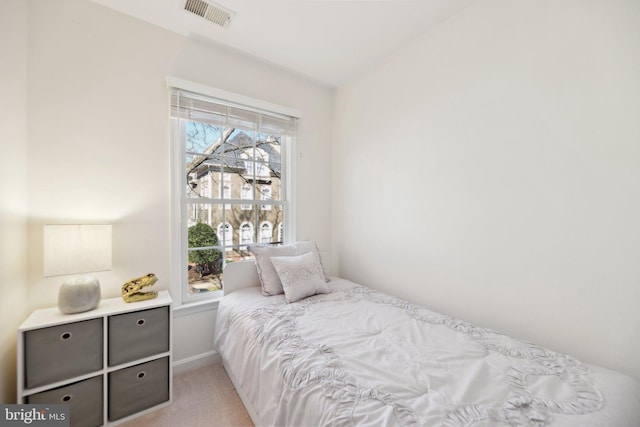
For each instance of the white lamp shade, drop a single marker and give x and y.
(73, 249)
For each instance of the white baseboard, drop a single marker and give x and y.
(196, 361)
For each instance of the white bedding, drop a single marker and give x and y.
(357, 357)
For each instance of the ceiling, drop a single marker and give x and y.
(329, 41)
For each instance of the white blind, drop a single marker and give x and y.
(197, 107)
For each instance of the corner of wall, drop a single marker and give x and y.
(13, 176)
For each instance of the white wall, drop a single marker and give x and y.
(13, 187)
(99, 137)
(491, 170)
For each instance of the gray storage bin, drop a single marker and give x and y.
(60, 352)
(136, 335)
(84, 399)
(138, 388)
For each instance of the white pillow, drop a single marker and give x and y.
(305, 246)
(269, 281)
(301, 276)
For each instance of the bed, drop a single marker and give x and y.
(357, 357)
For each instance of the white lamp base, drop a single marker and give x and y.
(79, 294)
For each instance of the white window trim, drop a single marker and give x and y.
(178, 234)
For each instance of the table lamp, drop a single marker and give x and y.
(76, 249)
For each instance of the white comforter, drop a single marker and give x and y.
(357, 357)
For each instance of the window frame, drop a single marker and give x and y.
(179, 241)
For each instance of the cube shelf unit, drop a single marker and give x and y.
(110, 364)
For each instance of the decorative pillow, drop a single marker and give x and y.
(301, 276)
(269, 280)
(310, 246)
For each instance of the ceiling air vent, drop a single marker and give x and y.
(210, 11)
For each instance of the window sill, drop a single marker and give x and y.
(196, 307)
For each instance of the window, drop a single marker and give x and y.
(226, 188)
(225, 235)
(230, 168)
(265, 194)
(246, 235)
(246, 194)
(266, 232)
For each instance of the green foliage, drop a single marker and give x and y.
(202, 235)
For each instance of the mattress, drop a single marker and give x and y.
(359, 357)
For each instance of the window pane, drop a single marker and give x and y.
(203, 178)
(237, 254)
(204, 270)
(265, 194)
(273, 217)
(224, 230)
(246, 235)
(266, 232)
(243, 215)
(246, 193)
(205, 257)
(236, 147)
(206, 213)
(268, 154)
(202, 138)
